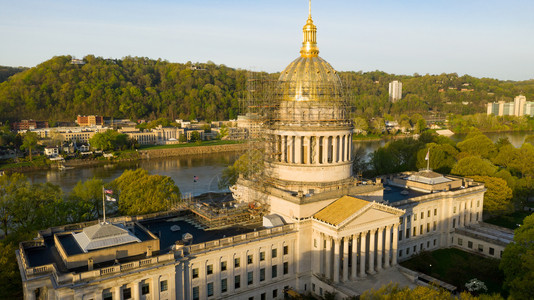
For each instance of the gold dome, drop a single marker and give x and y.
(309, 77)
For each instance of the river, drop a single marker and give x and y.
(207, 167)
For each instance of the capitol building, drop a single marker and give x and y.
(322, 230)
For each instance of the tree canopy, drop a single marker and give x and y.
(142, 193)
(517, 261)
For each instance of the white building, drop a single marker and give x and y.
(395, 90)
(325, 230)
(519, 107)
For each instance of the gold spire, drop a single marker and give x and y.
(309, 31)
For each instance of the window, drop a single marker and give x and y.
(127, 293)
(250, 277)
(262, 255)
(414, 231)
(400, 253)
(237, 281)
(407, 251)
(478, 203)
(480, 248)
(421, 231)
(249, 259)
(407, 233)
(163, 286)
(414, 248)
(224, 285)
(470, 245)
(145, 288)
(314, 243)
(454, 210)
(435, 211)
(428, 244)
(421, 247)
(107, 295)
(251, 298)
(210, 289)
(477, 216)
(428, 214)
(286, 267)
(454, 223)
(460, 242)
(415, 216)
(434, 226)
(209, 269)
(196, 293)
(275, 293)
(401, 220)
(274, 271)
(223, 266)
(263, 296)
(286, 250)
(313, 287)
(262, 274)
(435, 240)
(427, 227)
(273, 253)
(237, 262)
(400, 235)
(491, 251)
(195, 273)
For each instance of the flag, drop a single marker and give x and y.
(195, 178)
(109, 198)
(427, 155)
(108, 191)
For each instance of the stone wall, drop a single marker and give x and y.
(161, 153)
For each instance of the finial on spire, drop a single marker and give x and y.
(309, 43)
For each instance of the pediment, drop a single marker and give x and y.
(351, 211)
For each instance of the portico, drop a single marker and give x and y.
(354, 237)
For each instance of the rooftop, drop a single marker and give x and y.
(339, 210)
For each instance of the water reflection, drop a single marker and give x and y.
(208, 167)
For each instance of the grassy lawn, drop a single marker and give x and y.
(204, 143)
(458, 267)
(509, 221)
(38, 161)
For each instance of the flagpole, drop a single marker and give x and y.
(104, 203)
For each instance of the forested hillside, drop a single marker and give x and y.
(6, 72)
(135, 87)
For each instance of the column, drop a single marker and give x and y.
(135, 290)
(317, 150)
(284, 148)
(338, 146)
(388, 246)
(316, 246)
(321, 253)
(363, 250)
(117, 292)
(350, 146)
(308, 141)
(354, 269)
(298, 149)
(343, 147)
(337, 249)
(325, 150)
(328, 257)
(346, 259)
(372, 251)
(349, 143)
(379, 249)
(395, 241)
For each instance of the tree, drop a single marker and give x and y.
(142, 193)
(195, 136)
(360, 125)
(474, 165)
(498, 196)
(479, 145)
(517, 261)
(530, 139)
(393, 291)
(29, 142)
(11, 186)
(249, 164)
(442, 157)
(87, 197)
(396, 156)
(110, 140)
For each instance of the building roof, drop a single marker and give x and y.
(103, 235)
(428, 177)
(339, 210)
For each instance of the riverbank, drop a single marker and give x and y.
(159, 151)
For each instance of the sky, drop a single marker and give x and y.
(481, 38)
